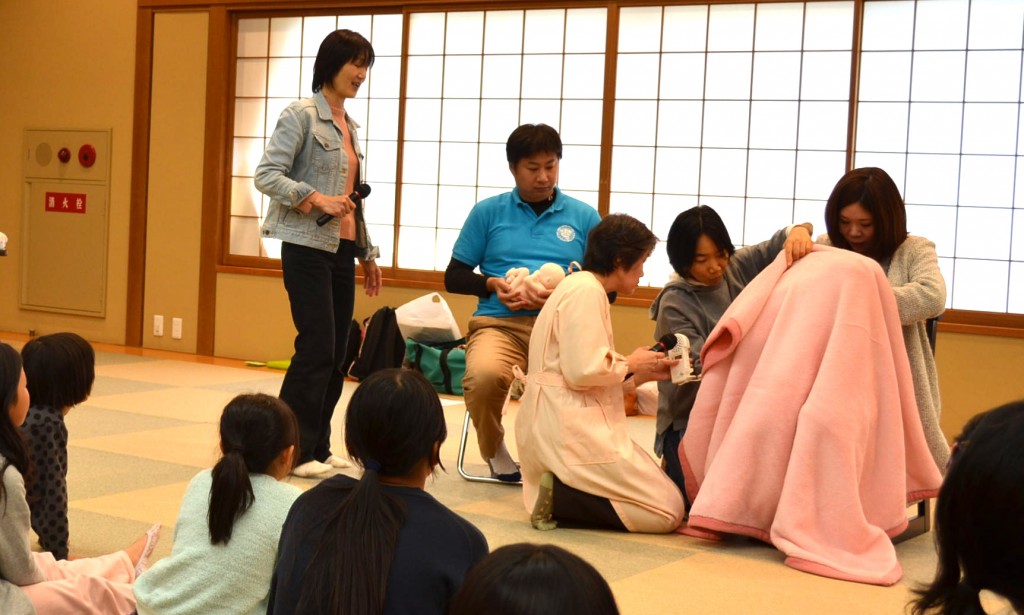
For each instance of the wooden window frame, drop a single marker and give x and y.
(214, 257)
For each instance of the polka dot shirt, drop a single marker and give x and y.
(48, 496)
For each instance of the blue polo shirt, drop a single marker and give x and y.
(503, 232)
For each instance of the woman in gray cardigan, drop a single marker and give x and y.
(865, 213)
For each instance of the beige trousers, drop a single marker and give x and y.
(493, 347)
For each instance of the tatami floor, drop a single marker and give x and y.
(151, 424)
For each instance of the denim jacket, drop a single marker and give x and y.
(306, 153)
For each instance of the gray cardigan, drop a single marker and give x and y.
(913, 272)
(17, 566)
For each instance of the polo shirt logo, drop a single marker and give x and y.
(566, 233)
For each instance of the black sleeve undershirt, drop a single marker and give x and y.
(459, 278)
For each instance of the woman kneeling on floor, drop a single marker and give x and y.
(579, 464)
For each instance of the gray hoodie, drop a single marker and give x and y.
(693, 309)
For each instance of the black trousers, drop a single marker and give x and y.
(575, 508)
(673, 467)
(321, 291)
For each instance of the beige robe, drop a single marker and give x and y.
(571, 418)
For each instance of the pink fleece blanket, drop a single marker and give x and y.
(805, 433)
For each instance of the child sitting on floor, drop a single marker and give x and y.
(978, 529)
(36, 582)
(379, 544)
(60, 369)
(533, 579)
(225, 540)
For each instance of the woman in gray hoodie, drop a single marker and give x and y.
(709, 272)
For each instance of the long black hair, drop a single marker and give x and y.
(979, 534)
(533, 579)
(254, 429)
(393, 423)
(12, 443)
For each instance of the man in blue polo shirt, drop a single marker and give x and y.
(532, 225)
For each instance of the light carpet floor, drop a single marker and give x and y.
(151, 424)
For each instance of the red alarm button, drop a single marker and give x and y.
(64, 154)
(87, 155)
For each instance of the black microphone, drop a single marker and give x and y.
(666, 343)
(362, 191)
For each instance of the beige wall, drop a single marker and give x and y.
(50, 82)
(173, 223)
(976, 373)
(66, 64)
(254, 323)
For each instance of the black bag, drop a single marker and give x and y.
(443, 364)
(355, 340)
(383, 345)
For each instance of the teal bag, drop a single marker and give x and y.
(443, 364)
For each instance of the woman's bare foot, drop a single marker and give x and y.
(140, 550)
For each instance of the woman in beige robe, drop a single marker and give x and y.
(579, 464)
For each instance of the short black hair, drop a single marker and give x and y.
(533, 579)
(60, 369)
(338, 49)
(530, 139)
(878, 195)
(687, 229)
(617, 241)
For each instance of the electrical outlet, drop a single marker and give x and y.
(158, 325)
(176, 328)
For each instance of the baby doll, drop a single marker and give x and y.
(546, 277)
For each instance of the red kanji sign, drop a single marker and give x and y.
(65, 202)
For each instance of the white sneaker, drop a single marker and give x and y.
(337, 462)
(312, 469)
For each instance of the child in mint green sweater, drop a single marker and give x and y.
(225, 540)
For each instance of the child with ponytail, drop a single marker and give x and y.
(225, 540)
(30, 582)
(380, 544)
(979, 520)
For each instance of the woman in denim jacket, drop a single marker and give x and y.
(311, 163)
